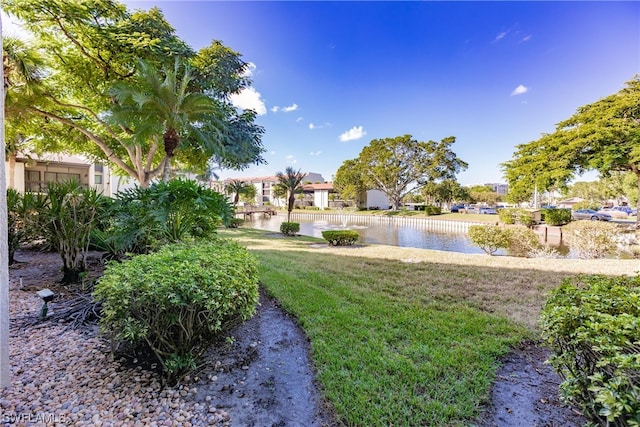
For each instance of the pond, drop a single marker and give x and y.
(413, 236)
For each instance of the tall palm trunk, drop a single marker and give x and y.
(171, 140)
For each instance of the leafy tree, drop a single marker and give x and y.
(446, 191)
(93, 46)
(483, 194)
(349, 182)
(399, 165)
(292, 181)
(602, 136)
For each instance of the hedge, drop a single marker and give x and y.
(341, 237)
(178, 300)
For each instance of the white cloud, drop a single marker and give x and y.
(275, 109)
(526, 38)
(354, 133)
(520, 90)
(249, 99)
(291, 160)
(290, 108)
(251, 67)
(299, 119)
(315, 153)
(501, 36)
(272, 152)
(312, 126)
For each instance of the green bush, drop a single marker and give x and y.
(289, 228)
(556, 216)
(432, 210)
(590, 239)
(592, 329)
(178, 300)
(341, 237)
(523, 241)
(235, 222)
(489, 238)
(507, 215)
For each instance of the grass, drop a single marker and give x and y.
(405, 336)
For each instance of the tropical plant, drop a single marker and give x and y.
(67, 221)
(292, 181)
(178, 300)
(235, 187)
(145, 219)
(164, 104)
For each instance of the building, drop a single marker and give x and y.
(264, 187)
(32, 173)
(501, 189)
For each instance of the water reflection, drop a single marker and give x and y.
(380, 234)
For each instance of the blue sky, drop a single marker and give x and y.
(328, 77)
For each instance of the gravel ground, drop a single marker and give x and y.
(62, 376)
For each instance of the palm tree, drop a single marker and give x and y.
(163, 103)
(235, 187)
(292, 181)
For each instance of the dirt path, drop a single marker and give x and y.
(526, 393)
(265, 377)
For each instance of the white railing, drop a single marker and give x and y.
(417, 222)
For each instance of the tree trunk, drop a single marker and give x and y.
(167, 169)
(5, 366)
(12, 170)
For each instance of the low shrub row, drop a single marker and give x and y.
(289, 228)
(341, 237)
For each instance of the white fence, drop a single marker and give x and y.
(416, 222)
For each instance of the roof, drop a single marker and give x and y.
(319, 186)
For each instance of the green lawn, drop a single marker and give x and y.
(396, 343)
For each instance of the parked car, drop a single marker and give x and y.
(456, 208)
(590, 214)
(490, 211)
(625, 209)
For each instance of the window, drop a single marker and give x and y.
(98, 179)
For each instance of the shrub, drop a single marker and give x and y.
(178, 300)
(432, 210)
(235, 222)
(507, 215)
(586, 205)
(556, 216)
(592, 329)
(341, 237)
(489, 238)
(590, 239)
(289, 228)
(523, 241)
(17, 226)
